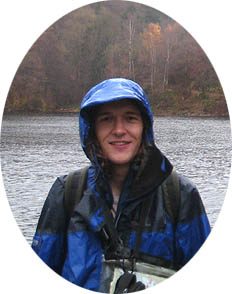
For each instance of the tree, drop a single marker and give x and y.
(151, 41)
(169, 40)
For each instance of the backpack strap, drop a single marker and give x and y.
(144, 212)
(74, 187)
(171, 191)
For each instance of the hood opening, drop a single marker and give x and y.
(109, 91)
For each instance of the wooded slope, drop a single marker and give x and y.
(115, 39)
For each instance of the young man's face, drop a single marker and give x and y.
(119, 129)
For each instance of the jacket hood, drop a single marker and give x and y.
(108, 91)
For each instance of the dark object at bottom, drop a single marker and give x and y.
(127, 284)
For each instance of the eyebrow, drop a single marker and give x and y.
(127, 112)
(103, 113)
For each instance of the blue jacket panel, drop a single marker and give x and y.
(83, 260)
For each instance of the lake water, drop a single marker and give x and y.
(37, 149)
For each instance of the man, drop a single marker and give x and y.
(123, 198)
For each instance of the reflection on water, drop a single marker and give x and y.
(37, 149)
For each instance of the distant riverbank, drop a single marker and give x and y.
(197, 105)
(169, 104)
(212, 105)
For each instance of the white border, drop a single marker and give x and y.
(21, 23)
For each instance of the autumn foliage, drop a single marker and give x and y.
(111, 39)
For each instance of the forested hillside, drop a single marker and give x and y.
(116, 39)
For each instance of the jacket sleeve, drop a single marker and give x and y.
(83, 261)
(193, 226)
(49, 238)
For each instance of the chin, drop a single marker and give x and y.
(121, 162)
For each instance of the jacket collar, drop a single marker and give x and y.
(142, 179)
(154, 169)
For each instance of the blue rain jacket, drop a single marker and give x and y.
(75, 248)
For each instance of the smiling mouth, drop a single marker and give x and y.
(119, 143)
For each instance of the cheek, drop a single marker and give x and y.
(138, 133)
(98, 132)
(101, 134)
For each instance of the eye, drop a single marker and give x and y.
(132, 118)
(104, 118)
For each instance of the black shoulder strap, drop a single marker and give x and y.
(74, 187)
(171, 192)
(143, 215)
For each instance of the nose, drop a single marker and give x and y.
(119, 127)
